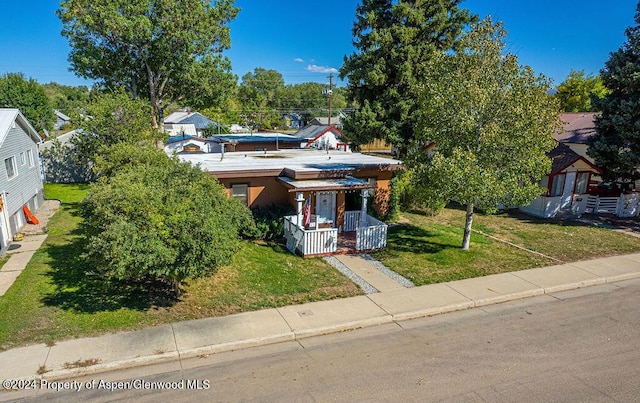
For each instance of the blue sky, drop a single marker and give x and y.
(306, 40)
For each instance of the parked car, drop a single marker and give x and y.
(611, 189)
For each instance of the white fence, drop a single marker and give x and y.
(370, 234)
(309, 242)
(627, 205)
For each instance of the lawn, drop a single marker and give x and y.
(54, 299)
(426, 249)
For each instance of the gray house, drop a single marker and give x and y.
(20, 181)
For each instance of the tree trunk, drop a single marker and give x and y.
(466, 238)
(152, 98)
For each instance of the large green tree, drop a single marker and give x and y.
(261, 93)
(29, 97)
(492, 123)
(153, 217)
(616, 146)
(394, 40)
(163, 50)
(67, 99)
(577, 90)
(110, 118)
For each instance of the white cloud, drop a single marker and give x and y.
(298, 60)
(321, 69)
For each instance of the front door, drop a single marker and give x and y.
(326, 207)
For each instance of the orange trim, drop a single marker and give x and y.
(31, 219)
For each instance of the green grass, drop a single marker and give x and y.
(54, 298)
(426, 249)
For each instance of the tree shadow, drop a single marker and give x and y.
(78, 288)
(412, 239)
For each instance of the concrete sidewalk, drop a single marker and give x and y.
(175, 342)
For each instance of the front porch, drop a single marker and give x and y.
(360, 233)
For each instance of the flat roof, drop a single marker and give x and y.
(273, 163)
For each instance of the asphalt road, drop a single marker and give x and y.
(581, 345)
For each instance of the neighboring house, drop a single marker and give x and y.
(325, 121)
(186, 143)
(293, 120)
(254, 142)
(236, 128)
(60, 163)
(322, 137)
(566, 184)
(224, 143)
(20, 181)
(61, 120)
(577, 129)
(336, 189)
(187, 122)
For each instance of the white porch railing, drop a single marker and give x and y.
(309, 242)
(370, 233)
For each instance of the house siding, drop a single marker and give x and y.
(264, 191)
(26, 187)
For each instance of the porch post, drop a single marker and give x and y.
(300, 200)
(363, 212)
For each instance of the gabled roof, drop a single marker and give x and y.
(8, 116)
(578, 127)
(563, 156)
(184, 118)
(312, 132)
(335, 120)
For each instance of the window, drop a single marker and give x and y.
(241, 192)
(581, 183)
(557, 185)
(30, 157)
(22, 160)
(10, 165)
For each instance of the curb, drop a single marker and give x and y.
(294, 335)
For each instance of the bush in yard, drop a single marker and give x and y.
(270, 221)
(158, 218)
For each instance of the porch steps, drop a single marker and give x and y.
(369, 273)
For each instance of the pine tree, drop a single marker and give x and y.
(394, 40)
(616, 146)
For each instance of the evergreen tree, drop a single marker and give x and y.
(616, 146)
(394, 40)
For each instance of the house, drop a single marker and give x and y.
(59, 161)
(577, 129)
(566, 185)
(187, 122)
(238, 142)
(322, 137)
(327, 121)
(61, 120)
(21, 190)
(293, 120)
(336, 188)
(186, 143)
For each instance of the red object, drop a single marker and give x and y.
(31, 219)
(307, 211)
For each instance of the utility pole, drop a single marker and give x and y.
(329, 93)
